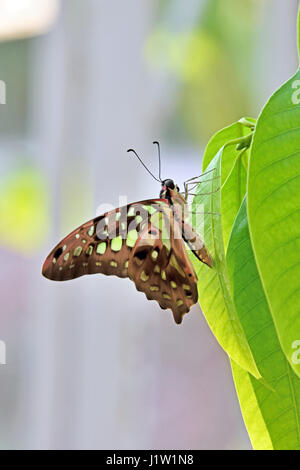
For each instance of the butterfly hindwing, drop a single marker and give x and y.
(159, 265)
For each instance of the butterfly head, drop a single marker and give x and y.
(166, 186)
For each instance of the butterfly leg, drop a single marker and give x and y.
(200, 176)
(193, 181)
(194, 184)
(205, 213)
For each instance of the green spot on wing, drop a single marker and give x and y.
(131, 212)
(101, 248)
(139, 219)
(150, 209)
(116, 243)
(77, 251)
(89, 251)
(132, 237)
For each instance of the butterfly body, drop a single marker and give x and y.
(144, 241)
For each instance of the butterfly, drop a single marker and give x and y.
(144, 241)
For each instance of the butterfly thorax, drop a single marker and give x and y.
(171, 192)
(168, 187)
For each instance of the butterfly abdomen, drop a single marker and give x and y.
(189, 235)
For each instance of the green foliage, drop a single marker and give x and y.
(274, 209)
(24, 210)
(272, 414)
(250, 194)
(208, 56)
(214, 286)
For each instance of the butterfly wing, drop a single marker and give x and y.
(142, 241)
(159, 265)
(102, 245)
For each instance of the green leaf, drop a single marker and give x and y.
(214, 286)
(224, 136)
(254, 421)
(271, 418)
(234, 168)
(250, 301)
(274, 211)
(298, 23)
(233, 192)
(268, 411)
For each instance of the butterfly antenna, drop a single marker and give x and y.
(159, 160)
(132, 150)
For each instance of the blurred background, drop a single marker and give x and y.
(91, 364)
